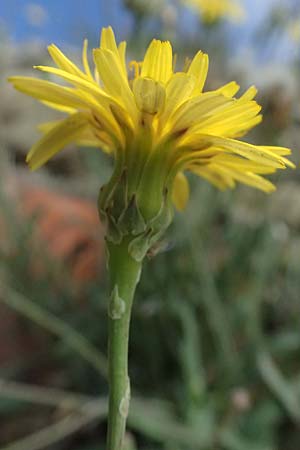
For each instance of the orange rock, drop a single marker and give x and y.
(67, 226)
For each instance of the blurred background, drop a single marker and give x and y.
(215, 337)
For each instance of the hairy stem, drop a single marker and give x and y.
(124, 274)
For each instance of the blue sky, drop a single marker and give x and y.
(66, 21)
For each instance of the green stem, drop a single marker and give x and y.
(124, 274)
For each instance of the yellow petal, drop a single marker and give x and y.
(115, 82)
(63, 62)
(198, 69)
(181, 191)
(242, 164)
(62, 134)
(65, 109)
(99, 101)
(252, 152)
(232, 118)
(243, 127)
(85, 60)
(86, 138)
(248, 178)
(49, 92)
(47, 126)
(229, 89)
(194, 111)
(235, 113)
(108, 40)
(122, 54)
(82, 83)
(221, 181)
(282, 151)
(249, 94)
(178, 89)
(110, 71)
(157, 63)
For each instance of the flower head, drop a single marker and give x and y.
(213, 10)
(155, 122)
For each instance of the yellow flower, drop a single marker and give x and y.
(156, 123)
(213, 10)
(294, 30)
